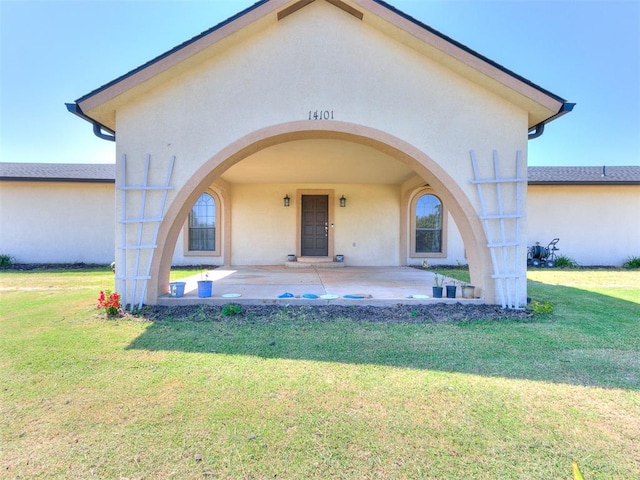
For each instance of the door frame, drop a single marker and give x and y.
(330, 198)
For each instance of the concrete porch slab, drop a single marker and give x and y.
(314, 265)
(380, 286)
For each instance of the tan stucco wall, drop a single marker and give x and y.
(597, 225)
(72, 222)
(335, 63)
(50, 222)
(367, 231)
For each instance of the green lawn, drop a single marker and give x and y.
(290, 397)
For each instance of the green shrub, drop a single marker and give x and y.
(563, 261)
(632, 262)
(6, 260)
(231, 310)
(541, 308)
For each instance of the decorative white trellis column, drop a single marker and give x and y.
(501, 216)
(137, 245)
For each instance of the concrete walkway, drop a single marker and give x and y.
(377, 286)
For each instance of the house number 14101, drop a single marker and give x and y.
(321, 115)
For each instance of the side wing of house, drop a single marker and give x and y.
(595, 211)
(57, 213)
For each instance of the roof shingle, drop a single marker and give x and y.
(76, 172)
(627, 175)
(60, 172)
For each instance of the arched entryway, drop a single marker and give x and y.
(425, 167)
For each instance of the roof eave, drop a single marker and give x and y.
(469, 50)
(97, 126)
(57, 180)
(537, 130)
(542, 105)
(89, 104)
(582, 182)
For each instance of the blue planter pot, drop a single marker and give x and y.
(451, 291)
(204, 288)
(176, 289)
(437, 292)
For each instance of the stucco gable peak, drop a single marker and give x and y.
(98, 106)
(303, 3)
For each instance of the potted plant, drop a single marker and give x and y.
(437, 286)
(468, 291)
(204, 286)
(451, 289)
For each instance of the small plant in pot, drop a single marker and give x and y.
(468, 291)
(204, 286)
(437, 286)
(451, 289)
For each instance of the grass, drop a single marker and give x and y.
(287, 397)
(178, 273)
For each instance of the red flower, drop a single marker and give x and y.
(110, 302)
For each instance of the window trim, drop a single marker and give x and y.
(204, 253)
(412, 225)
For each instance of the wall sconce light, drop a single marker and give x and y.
(343, 201)
(286, 200)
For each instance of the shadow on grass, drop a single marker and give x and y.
(590, 339)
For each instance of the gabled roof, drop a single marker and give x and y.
(58, 172)
(98, 106)
(619, 175)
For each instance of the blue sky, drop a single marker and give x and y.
(55, 51)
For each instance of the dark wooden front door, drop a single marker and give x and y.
(315, 226)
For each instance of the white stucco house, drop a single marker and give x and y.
(65, 213)
(318, 128)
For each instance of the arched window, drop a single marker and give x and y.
(202, 225)
(428, 224)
